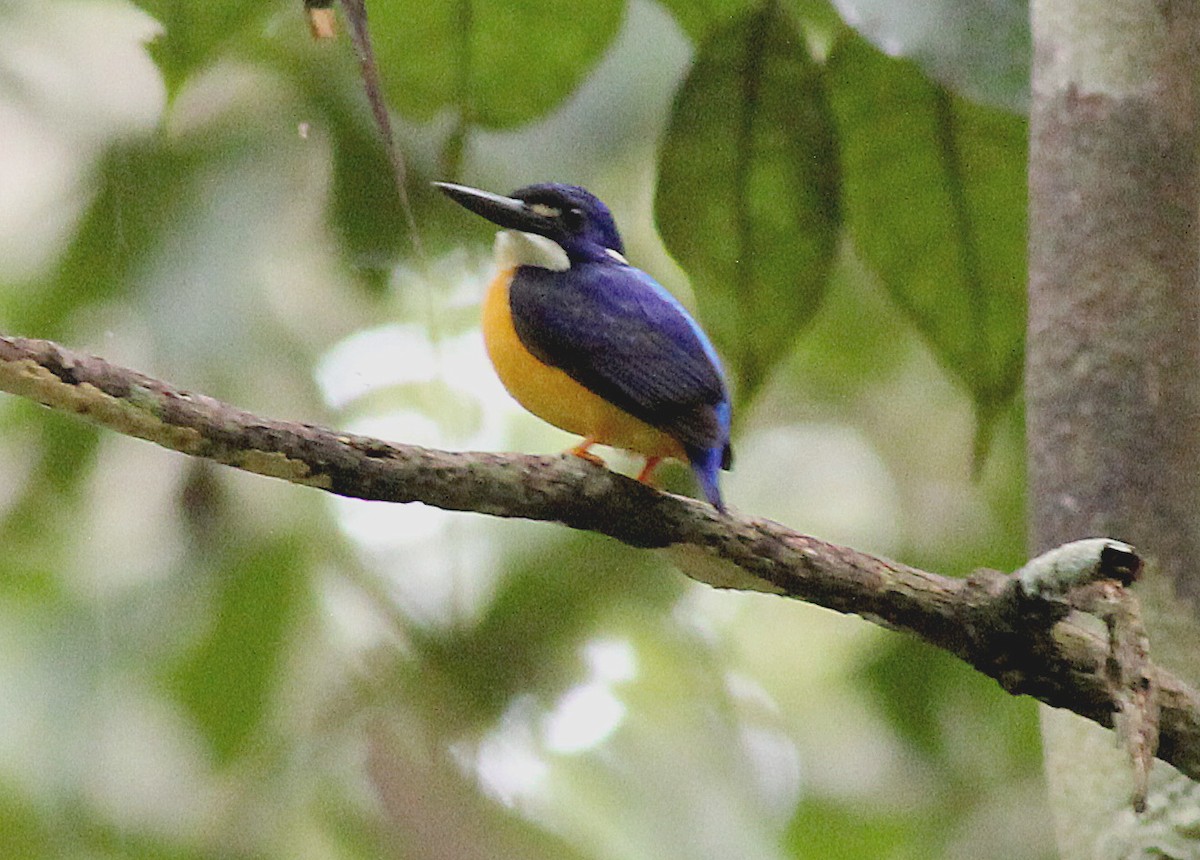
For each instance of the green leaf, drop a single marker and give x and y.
(818, 17)
(921, 689)
(824, 828)
(979, 49)
(365, 209)
(747, 198)
(49, 503)
(698, 17)
(23, 831)
(498, 63)
(141, 189)
(935, 197)
(228, 682)
(195, 33)
(527, 640)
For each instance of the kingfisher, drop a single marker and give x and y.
(592, 344)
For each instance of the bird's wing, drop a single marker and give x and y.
(614, 330)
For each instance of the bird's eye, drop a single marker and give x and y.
(573, 219)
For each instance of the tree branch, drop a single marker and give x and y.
(1027, 639)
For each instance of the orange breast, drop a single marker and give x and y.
(554, 396)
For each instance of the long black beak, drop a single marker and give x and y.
(505, 211)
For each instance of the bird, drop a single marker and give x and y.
(592, 344)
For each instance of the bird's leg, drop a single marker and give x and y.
(581, 451)
(647, 474)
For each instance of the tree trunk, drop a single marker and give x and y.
(1113, 364)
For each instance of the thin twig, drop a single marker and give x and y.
(360, 34)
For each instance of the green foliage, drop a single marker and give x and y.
(297, 677)
(230, 681)
(63, 455)
(697, 17)
(823, 829)
(935, 197)
(141, 191)
(496, 64)
(747, 198)
(364, 206)
(524, 642)
(196, 34)
(916, 683)
(977, 48)
(23, 831)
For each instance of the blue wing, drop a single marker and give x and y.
(614, 330)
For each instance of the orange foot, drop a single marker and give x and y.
(581, 451)
(646, 476)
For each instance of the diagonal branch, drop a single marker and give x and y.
(1027, 642)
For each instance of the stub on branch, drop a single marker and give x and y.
(1093, 575)
(1079, 563)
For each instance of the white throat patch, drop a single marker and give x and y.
(514, 248)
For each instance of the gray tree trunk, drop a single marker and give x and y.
(1113, 364)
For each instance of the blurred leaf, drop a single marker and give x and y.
(23, 832)
(141, 189)
(911, 686)
(697, 17)
(858, 340)
(497, 63)
(819, 17)
(969, 738)
(49, 504)
(365, 206)
(935, 197)
(366, 212)
(526, 642)
(822, 829)
(747, 197)
(441, 811)
(980, 49)
(68, 451)
(921, 690)
(195, 34)
(108, 841)
(229, 682)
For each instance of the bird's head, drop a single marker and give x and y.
(571, 217)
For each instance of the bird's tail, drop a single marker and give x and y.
(706, 463)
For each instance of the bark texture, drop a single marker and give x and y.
(1113, 363)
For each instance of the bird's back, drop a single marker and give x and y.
(614, 330)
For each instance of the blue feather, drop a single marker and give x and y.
(609, 326)
(619, 333)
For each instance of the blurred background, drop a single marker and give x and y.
(201, 663)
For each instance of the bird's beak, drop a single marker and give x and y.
(507, 212)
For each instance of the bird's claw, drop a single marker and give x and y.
(581, 451)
